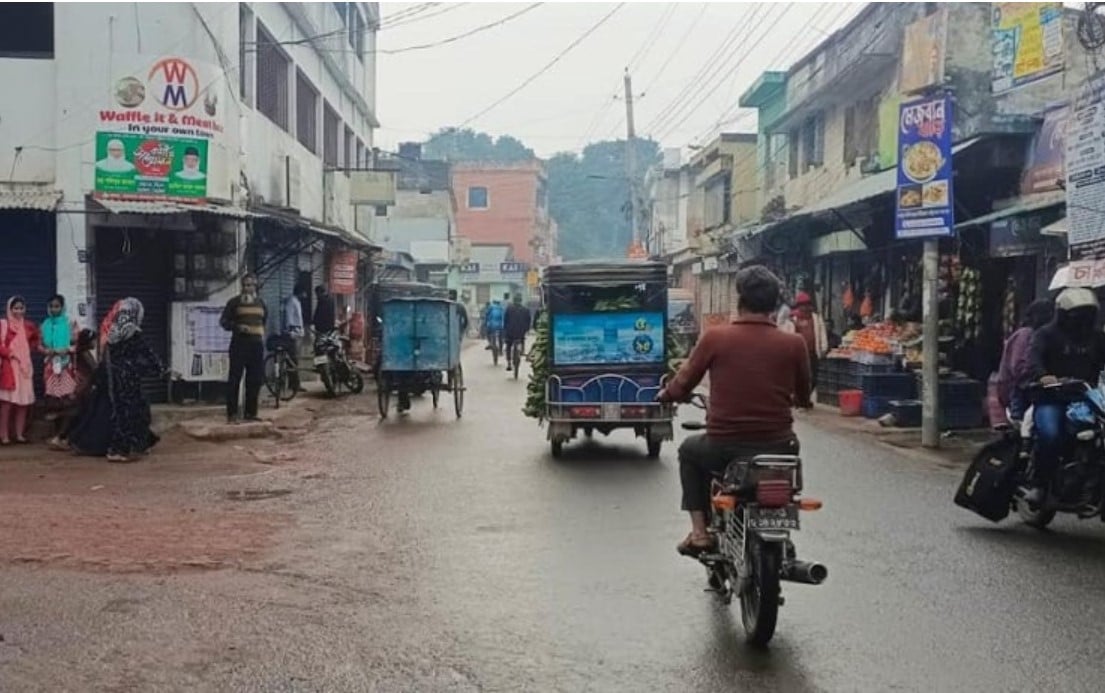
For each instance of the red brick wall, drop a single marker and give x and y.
(511, 216)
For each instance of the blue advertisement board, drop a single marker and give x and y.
(608, 338)
(924, 196)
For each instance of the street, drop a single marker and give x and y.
(425, 553)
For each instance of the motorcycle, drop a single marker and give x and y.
(755, 506)
(1077, 483)
(333, 366)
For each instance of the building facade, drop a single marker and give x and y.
(163, 150)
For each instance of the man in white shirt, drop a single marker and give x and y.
(191, 170)
(116, 159)
(293, 332)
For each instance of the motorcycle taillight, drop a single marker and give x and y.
(774, 493)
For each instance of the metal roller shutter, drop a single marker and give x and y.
(277, 284)
(138, 263)
(28, 267)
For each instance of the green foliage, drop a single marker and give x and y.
(451, 144)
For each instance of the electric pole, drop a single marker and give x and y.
(930, 370)
(631, 158)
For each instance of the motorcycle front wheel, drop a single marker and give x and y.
(327, 378)
(1033, 516)
(354, 382)
(760, 599)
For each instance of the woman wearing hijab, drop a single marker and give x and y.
(84, 367)
(116, 420)
(57, 346)
(18, 339)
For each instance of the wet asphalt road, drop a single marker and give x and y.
(437, 554)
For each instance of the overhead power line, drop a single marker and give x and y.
(548, 66)
(679, 44)
(449, 7)
(652, 35)
(458, 37)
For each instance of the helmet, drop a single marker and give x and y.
(1074, 298)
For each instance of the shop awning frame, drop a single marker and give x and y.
(44, 200)
(1024, 204)
(165, 207)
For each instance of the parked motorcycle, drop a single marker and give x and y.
(755, 508)
(333, 366)
(1000, 478)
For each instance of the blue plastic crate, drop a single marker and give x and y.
(890, 385)
(874, 407)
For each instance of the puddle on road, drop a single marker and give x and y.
(257, 494)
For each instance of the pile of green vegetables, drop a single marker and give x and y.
(540, 357)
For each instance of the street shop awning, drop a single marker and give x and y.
(1023, 205)
(31, 200)
(166, 207)
(1058, 228)
(1087, 274)
(292, 219)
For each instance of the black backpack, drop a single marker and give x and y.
(988, 486)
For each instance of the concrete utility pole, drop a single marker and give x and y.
(631, 157)
(930, 372)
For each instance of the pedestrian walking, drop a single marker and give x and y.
(115, 421)
(58, 335)
(811, 327)
(326, 313)
(244, 317)
(19, 337)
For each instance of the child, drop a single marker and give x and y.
(84, 365)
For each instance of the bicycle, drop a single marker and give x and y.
(278, 369)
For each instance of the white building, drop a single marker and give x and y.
(160, 149)
(669, 186)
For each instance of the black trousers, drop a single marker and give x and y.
(701, 458)
(247, 357)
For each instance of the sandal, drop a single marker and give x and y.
(121, 459)
(692, 546)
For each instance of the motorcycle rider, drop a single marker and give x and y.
(758, 374)
(516, 324)
(493, 320)
(1070, 347)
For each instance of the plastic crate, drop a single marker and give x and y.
(851, 402)
(874, 407)
(961, 392)
(829, 399)
(907, 413)
(889, 385)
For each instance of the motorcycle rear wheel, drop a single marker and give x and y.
(760, 601)
(1037, 518)
(354, 382)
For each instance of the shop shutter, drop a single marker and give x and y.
(28, 267)
(138, 263)
(277, 284)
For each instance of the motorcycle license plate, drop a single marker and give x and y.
(773, 518)
(322, 360)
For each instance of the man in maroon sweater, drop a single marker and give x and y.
(758, 374)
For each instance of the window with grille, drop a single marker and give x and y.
(477, 198)
(306, 113)
(357, 28)
(331, 137)
(272, 78)
(362, 155)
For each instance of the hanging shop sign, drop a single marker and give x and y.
(343, 273)
(470, 268)
(1026, 41)
(923, 49)
(156, 133)
(151, 168)
(1085, 164)
(513, 267)
(924, 195)
(1044, 170)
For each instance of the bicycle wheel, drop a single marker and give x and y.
(276, 380)
(289, 367)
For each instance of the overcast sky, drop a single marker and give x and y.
(689, 62)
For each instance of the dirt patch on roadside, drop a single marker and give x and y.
(112, 536)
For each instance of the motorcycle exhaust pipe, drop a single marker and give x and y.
(805, 572)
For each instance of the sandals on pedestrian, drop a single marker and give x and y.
(121, 459)
(692, 546)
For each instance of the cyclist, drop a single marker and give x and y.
(493, 323)
(293, 332)
(515, 326)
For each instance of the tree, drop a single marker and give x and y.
(452, 144)
(589, 198)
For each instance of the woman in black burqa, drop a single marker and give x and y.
(116, 419)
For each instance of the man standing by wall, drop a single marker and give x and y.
(325, 317)
(293, 332)
(244, 316)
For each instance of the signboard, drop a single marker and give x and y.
(470, 268)
(513, 267)
(533, 278)
(1014, 236)
(1026, 42)
(924, 46)
(1085, 164)
(372, 187)
(1043, 171)
(924, 195)
(203, 351)
(343, 273)
(156, 133)
(150, 167)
